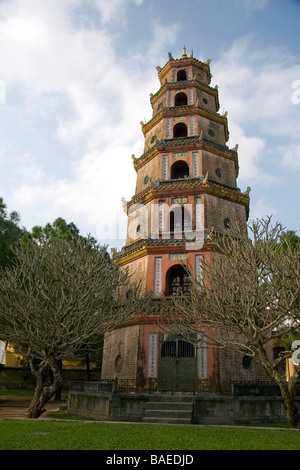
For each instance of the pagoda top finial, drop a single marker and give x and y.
(184, 56)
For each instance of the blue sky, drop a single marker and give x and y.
(75, 81)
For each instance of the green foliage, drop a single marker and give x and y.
(10, 234)
(59, 229)
(290, 237)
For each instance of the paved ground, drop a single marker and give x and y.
(12, 407)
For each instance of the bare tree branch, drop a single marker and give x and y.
(59, 296)
(248, 295)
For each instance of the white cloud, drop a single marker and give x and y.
(94, 102)
(163, 37)
(92, 197)
(250, 153)
(114, 9)
(255, 86)
(291, 155)
(262, 209)
(68, 75)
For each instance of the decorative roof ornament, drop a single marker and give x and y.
(247, 192)
(184, 56)
(170, 56)
(192, 54)
(124, 204)
(158, 68)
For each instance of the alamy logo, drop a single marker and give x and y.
(168, 222)
(179, 221)
(2, 92)
(296, 352)
(296, 94)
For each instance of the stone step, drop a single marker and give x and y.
(172, 398)
(162, 413)
(169, 405)
(169, 409)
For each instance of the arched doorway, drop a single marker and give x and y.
(181, 99)
(179, 170)
(180, 221)
(181, 76)
(180, 130)
(177, 281)
(177, 360)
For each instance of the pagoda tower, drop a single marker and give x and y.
(186, 184)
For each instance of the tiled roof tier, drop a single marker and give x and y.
(188, 109)
(193, 142)
(164, 188)
(197, 83)
(142, 246)
(184, 62)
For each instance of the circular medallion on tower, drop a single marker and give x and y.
(118, 363)
(227, 223)
(247, 362)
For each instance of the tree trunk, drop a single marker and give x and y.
(288, 392)
(287, 389)
(291, 409)
(59, 390)
(87, 361)
(43, 392)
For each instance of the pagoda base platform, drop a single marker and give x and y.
(259, 404)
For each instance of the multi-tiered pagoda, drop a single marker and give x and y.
(186, 184)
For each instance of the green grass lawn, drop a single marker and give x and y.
(76, 435)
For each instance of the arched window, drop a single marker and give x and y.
(180, 222)
(176, 221)
(181, 76)
(180, 130)
(181, 99)
(177, 280)
(179, 170)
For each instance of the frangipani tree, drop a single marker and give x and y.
(248, 295)
(57, 297)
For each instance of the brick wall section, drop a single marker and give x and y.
(156, 131)
(211, 130)
(211, 102)
(159, 104)
(151, 169)
(212, 162)
(115, 344)
(137, 270)
(231, 369)
(217, 210)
